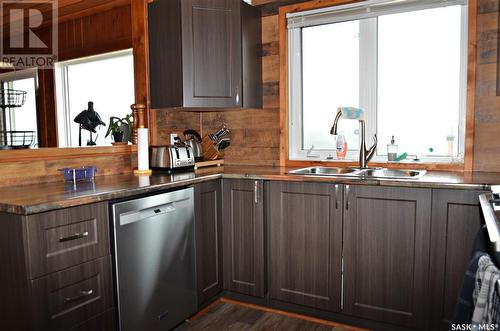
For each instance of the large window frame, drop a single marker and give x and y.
(65, 120)
(292, 149)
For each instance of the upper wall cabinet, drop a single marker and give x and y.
(205, 54)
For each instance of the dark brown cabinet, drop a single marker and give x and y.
(243, 236)
(57, 270)
(205, 54)
(305, 244)
(456, 219)
(208, 223)
(386, 254)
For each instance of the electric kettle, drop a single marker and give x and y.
(193, 140)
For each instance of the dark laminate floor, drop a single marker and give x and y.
(227, 316)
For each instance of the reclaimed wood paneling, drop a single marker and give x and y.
(174, 121)
(487, 103)
(95, 34)
(20, 167)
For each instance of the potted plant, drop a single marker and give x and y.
(120, 129)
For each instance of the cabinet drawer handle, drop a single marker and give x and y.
(336, 196)
(256, 192)
(74, 237)
(83, 295)
(347, 189)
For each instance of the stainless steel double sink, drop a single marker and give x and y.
(375, 173)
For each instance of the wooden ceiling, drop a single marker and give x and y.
(67, 9)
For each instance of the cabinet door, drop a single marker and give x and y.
(243, 236)
(456, 219)
(211, 37)
(305, 238)
(386, 254)
(207, 197)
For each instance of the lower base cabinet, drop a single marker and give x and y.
(386, 254)
(305, 244)
(57, 270)
(394, 255)
(456, 219)
(208, 225)
(243, 236)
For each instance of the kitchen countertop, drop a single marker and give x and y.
(37, 198)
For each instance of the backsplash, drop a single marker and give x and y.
(36, 171)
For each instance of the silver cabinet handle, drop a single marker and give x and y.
(83, 295)
(256, 191)
(74, 237)
(347, 189)
(336, 196)
(237, 95)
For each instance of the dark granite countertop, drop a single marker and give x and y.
(37, 198)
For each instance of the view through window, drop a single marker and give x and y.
(409, 77)
(107, 80)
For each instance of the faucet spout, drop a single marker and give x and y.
(365, 155)
(333, 130)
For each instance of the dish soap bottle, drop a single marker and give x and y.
(341, 147)
(392, 151)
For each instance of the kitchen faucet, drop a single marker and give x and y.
(356, 114)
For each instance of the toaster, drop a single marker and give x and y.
(171, 157)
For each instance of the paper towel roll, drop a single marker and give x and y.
(142, 149)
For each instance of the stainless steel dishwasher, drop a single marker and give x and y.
(155, 260)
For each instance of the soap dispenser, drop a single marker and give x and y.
(392, 151)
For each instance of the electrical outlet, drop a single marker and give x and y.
(174, 137)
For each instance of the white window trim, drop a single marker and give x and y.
(368, 92)
(64, 120)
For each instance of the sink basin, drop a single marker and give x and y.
(324, 171)
(392, 173)
(379, 173)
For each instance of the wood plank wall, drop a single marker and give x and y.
(256, 132)
(487, 112)
(45, 169)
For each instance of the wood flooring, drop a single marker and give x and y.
(227, 314)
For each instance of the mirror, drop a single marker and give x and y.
(95, 63)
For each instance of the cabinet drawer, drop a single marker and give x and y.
(67, 237)
(103, 322)
(67, 298)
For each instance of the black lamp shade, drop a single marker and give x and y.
(89, 119)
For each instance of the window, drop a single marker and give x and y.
(107, 80)
(22, 118)
(403, 62)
